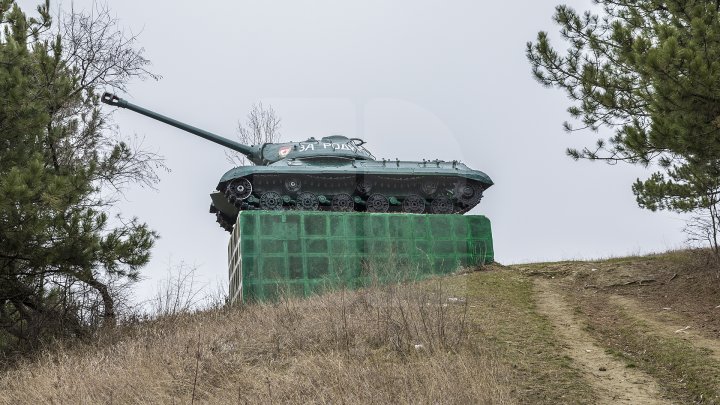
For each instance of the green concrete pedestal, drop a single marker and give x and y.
(302, 253)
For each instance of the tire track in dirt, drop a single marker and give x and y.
(668, 325)
(613, 382)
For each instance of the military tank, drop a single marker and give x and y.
(333, 173)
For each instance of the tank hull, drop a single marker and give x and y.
(435, 187)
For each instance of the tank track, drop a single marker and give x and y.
(354, 193)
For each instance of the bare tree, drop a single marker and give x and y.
(262, 126)
(102, 55)
(703, 228)
(179, 293)
(100, 51)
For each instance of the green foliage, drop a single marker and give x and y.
(650, 71)
(56, 161)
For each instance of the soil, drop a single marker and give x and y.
(613, 382)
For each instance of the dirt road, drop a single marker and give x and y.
(610, 378)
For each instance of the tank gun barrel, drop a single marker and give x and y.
(254, 153)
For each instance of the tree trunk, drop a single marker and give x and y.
(109, 318)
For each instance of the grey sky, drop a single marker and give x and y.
(415, 79)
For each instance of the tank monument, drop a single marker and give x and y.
(320, 213)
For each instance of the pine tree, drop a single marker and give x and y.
(56, 163)
(649, 71)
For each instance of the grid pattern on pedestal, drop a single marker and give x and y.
(303, 253)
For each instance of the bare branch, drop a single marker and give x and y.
(261, 126)
(99, 50)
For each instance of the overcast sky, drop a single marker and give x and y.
(415, 79)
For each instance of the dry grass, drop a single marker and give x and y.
(383, 345)
(503, 306)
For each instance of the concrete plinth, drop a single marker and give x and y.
(306, 252)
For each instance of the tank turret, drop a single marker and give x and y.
(335, 147)
(333, 173)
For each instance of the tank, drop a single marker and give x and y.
(333, 173)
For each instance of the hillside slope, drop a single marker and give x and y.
(631, 330)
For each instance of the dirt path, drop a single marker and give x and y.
(612, 381)
(668, 324)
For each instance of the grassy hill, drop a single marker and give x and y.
(632, 330)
